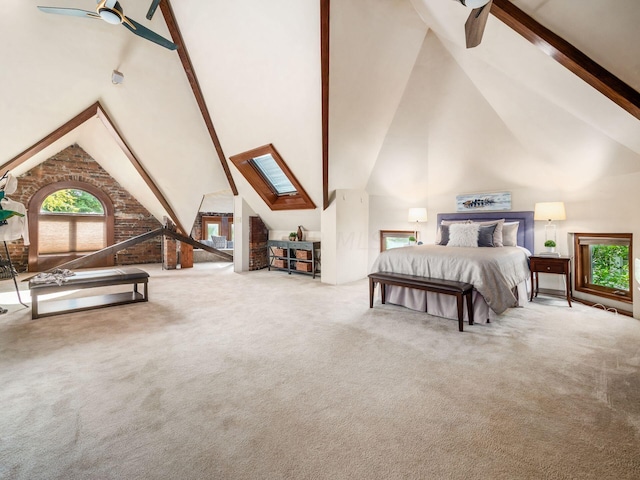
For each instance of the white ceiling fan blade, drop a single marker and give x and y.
(74, 12)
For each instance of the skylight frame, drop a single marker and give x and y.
(299, 200)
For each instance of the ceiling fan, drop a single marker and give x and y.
(111, 12)
(474, 26)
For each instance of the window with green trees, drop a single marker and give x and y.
(603, 265)
(71, 220)
(72, 201)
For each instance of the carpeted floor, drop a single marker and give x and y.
(263, 375)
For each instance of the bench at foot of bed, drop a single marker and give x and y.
(89, 279)
(460, 290)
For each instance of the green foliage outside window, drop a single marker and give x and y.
(610, 266)
(72, 201)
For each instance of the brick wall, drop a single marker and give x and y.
(258, 237)
(131, 218)
(170, 259)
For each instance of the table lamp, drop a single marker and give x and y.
(549, 211)
(417, 215)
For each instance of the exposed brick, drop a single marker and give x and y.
(131, 218)
(258, 237)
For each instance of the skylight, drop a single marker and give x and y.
(271, 178)
(273, 174)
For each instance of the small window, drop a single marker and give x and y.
(603, 265)
(218, 226)
(213, 229)
(270, 176)
(396, 238)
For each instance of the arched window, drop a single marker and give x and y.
(67, 220)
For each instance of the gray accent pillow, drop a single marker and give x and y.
(497, 234)
(485, 235)
(444, 235)
(219, 241)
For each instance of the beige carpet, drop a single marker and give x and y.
(269, 376)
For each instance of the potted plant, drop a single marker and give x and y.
(412, 240)
(292, 236)
(550, 245)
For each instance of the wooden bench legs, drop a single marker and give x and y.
(460, 290)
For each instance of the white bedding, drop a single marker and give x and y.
(494, 272)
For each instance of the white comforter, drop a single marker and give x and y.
(494, 272)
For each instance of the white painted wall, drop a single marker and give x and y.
(262, 65)
(329, 245)
(345, 246)
(374, 44)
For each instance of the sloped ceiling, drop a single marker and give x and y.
(399, 72)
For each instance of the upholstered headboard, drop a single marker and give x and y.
(525, 231)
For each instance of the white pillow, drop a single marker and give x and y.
(510, 234)
(446, 222)
(463, 235)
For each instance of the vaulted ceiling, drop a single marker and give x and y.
(258, 67)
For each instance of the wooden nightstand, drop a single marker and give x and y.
(558, 265)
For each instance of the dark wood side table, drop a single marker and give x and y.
(557, 265)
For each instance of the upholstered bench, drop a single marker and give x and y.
(460, 290)
(88, 279)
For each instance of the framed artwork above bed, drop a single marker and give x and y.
(483, 202)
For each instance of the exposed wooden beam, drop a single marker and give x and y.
(172, 24)
(95, 110)
(113, 249)
(113, 131)
(51, 138)
(569, 56)
(197, 244)
(324, 60)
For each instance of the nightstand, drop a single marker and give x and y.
(557, 265)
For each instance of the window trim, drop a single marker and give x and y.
(297, 201)
(395, 233)
(225, 223)
(35, 203)
(581, 260)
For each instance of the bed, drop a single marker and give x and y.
(499, 274)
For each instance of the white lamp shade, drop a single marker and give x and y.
(549, 211)
(418, 214)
